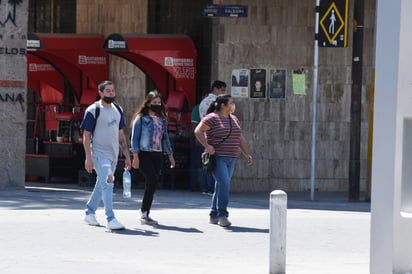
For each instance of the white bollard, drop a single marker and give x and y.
(277, 249)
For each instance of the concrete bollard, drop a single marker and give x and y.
(277, 248)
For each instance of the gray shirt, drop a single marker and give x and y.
(105, 142)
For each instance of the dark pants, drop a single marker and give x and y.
(207, 182)
(195, 164)
(150, 165)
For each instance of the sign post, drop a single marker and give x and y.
(332, 20)
(314, 105)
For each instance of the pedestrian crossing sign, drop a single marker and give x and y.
(333, 23)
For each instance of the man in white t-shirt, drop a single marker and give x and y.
(105, 130)
(218, 87)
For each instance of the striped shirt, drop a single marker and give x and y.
(219, 131)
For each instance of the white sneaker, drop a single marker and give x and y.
(114, 225)
(91, 220)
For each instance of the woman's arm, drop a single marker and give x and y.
(136, 162)
(167, 146)
(200, 131)
(135, 140)
(245, 150)
(136, 133)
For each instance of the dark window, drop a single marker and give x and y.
(52, 16)
(184, 16)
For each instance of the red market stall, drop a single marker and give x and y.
(40, 71)
(56, 64)
(78, 57)
(44, 79)
(170, 62)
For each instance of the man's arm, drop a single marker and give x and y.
(87, 140)
(125, 148)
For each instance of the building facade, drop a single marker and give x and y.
(272, 45)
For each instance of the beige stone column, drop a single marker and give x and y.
(391, 201)
(13, 101)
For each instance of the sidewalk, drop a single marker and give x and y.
(43, 232)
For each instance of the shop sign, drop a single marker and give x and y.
(225, 11)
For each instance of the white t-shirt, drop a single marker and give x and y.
(105, 142)
(205, 103)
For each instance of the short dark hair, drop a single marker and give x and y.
(218, 84)
(103, 85)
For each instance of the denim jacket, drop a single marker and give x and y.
(142, 135)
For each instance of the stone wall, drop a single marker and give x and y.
(280, 34)
(13, 108)
(107, 17)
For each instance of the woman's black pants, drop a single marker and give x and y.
(150, 164)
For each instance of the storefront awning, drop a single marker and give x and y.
(77, 57)
(169, 60)
(41, 72)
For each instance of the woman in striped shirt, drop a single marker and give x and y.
(221, 135)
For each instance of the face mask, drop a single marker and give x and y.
(156, 108)
(108, 100)
(233, 108)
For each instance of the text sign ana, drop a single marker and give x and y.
(333, 23)
(225, 11)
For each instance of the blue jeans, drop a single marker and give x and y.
(223, 173)
(102, 190)
(208, 183)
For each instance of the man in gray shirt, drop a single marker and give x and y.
(102, 136)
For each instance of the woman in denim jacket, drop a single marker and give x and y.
(150, 140)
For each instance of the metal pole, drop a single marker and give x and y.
(314, 104)
(356, 102)
(277, 250)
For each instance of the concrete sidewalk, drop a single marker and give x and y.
(43, 232)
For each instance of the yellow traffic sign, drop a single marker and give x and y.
(333, 23)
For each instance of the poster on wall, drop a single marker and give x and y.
(240, 83)
(277, 83)
(258, 83)
(299, 82)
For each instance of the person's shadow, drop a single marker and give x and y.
(144, 232)
(241, 229)
(179, 229)
(135, 232)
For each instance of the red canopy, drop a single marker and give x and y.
(169, 60)
(41, 72)
(78, 58)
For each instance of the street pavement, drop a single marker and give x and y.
(42, 231)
